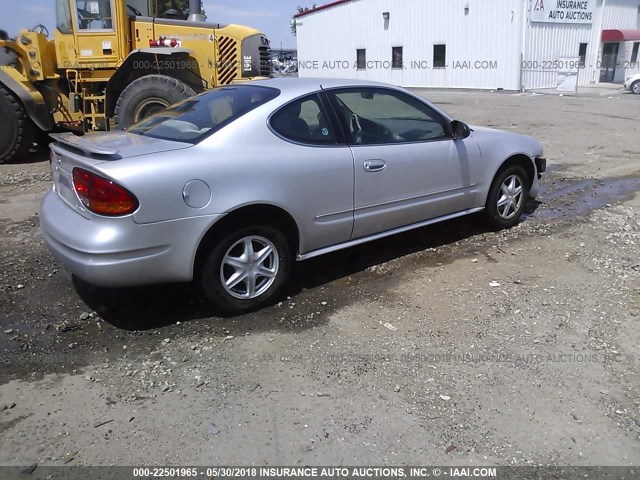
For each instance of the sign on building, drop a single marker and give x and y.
(563, 11)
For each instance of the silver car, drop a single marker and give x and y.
(632, 83)
(228, 188)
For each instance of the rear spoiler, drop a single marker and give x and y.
(81, 143)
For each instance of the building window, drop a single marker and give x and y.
(439, 56)
(361, 55)
(583, 54)
(396, 57)
(634, 52)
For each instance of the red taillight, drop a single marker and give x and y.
(102, 196)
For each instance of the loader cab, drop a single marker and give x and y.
(92, 34)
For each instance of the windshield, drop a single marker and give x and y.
(194, 119)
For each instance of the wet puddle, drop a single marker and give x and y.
(561, 198)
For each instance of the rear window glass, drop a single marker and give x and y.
(196, 118)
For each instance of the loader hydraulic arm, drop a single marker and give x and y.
(31, 64)
(16, 49)
(34, 52)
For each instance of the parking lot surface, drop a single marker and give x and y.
(447, 345)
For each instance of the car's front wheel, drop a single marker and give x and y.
(507, 197)
(246, 269)
(635, 87)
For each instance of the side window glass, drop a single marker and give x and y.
(63, 16)
(94, 14)
(374, 116)
(304, 121)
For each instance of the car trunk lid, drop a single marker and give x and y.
(70, 151)
(110, 146)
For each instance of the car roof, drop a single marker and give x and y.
(294, 86)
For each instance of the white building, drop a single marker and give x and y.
(509, 44)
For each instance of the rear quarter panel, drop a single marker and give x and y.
(246, 164)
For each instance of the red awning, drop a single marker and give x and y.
(620, 35)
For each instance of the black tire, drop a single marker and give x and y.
(502, 219)
(210, 271)
(635, 87)
(18, 131)
(148, 95)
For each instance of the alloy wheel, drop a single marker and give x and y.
(249, 267)
(511, 197)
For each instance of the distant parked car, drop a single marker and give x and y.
(633, 83)
(228, 188)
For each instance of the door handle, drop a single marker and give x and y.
(375, 165)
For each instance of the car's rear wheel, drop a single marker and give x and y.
(635, 87)
(245, 270)
(507, 197)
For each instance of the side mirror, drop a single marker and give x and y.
(460, 130)
(4, 35)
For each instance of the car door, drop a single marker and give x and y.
(319, 165)
(408, 167)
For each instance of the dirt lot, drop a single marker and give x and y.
(448, 345)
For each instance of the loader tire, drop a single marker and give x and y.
(148, 95)
(18, 131)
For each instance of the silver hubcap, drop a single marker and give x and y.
(636, 87)
(510, 198)
(249, 267)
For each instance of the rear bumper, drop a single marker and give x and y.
(117, 252)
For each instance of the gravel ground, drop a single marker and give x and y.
(449, 345)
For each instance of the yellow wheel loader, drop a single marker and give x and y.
(109, 65)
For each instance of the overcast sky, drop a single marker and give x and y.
(272, 18)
